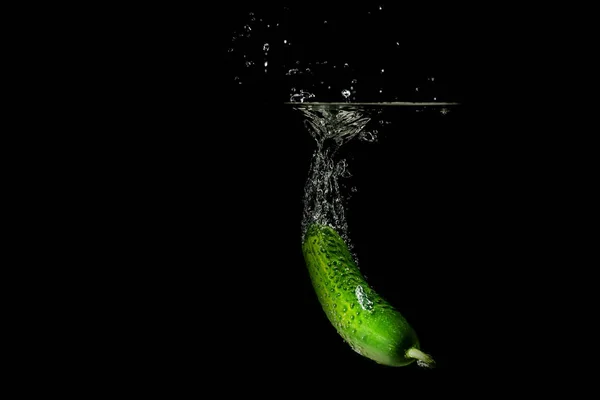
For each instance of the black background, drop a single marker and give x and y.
(448, 234)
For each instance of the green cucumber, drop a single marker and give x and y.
(368, 323)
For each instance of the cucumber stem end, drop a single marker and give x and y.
(423, 360)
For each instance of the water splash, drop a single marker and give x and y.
(269, 47)
(324, 196)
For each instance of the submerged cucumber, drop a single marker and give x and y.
(367, 322)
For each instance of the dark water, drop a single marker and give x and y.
(399, 184)
(420, 196)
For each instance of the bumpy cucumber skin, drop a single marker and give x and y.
(367, 322)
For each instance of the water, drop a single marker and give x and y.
(358, 54)
(380, 108)
(336, 127)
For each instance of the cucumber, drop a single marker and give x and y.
(367, 322)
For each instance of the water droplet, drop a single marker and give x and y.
(284, 41)
(338, 294)
(247, 28)
(344, 309)
(382, 70)
(346, 93)
(266, 63)
(266, 47)
(363, 300)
